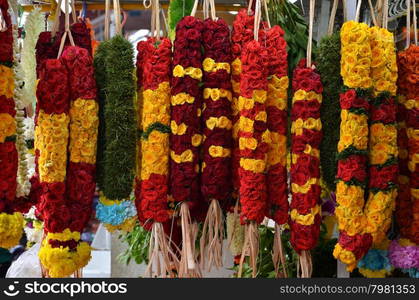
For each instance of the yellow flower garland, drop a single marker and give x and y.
(11, 227)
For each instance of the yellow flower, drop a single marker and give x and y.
(247, 143)
(245, 103)
(261, 116)
(208, 64)
(186, 156)
(299, 95)
(11, 228)
(254, 165)
(179, 99)
(236, 65)
(259, 96)
(246, 124)
(7, 126)
(196, 140)
(178, 129)
(218, 151)
(7, 84)
(178, 71)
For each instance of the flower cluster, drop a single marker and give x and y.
(306, 135)
(407, 62)
(186, 138)
(116, 215)
(383, 61)
(356, 55)
(216, 112)
(277, 117)
(404, 254)
(253, 134)
(242, 34)
(151, 188)
(63, 253)
(11, 224)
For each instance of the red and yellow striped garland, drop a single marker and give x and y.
(306, 134)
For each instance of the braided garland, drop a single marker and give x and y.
(11, 223)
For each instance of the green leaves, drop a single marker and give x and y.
(177, 10)
(328, 60)
(138, 241)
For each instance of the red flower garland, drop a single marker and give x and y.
(185, 114)
(155, 66)
(216, 114)
(276, 108)
(6, 37)
(253, 135)
(242, 33)
(306, 132)
(80, 181)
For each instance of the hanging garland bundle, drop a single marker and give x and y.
(383, 150)
(216, 182)
(118, 131)
(329, 69)
(51, 139)
(253, 138)
(84, 121)
(186, 138)
(277, 122)
(276, 109)
(351, 176)
(242, 33)
(404, 252)
(306, 135)
(152, 181)
(11, 223)
(33, 27)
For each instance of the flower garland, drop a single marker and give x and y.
(119, 131)
(329, 69)
(216, 185)
(11, 223)
(404, 253)
(242, 33)
(306, 135)
(382, 150)
(185, 138)
(351, 176)
(33, 27)
(83, 126)
(152, 182)
(254, 139)
(277, 120)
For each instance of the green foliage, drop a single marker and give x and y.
(323, 262)
(155, 126)
(177, 10)
(328, 60)
(138, 241)
(289, 17)
(120, 130)
(100, 76)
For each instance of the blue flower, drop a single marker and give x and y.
(375, 260)
(115, 214)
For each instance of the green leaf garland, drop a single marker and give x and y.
(329, 68)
